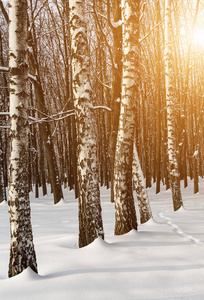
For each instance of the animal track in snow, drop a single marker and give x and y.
(179, 231)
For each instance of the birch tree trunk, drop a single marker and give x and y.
(116, 85)
(22, 253)
(139, 186)
(158, 86)
(3, 136)
(169, 81)
(3, 196)
(125, 214)
(90, 218)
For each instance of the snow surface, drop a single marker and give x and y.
(163, 260)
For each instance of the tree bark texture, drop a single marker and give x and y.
(3, 196)
(158, 121)
(90, 218)
(169, 81)
(116, 85)
(4, 96)
(139, 186)
(125, 214)
(22, 253)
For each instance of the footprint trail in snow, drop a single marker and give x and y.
(179, 231)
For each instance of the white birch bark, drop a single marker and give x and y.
(169, 81)
(139, 186)
(125, 214)
(22, 253)
(90, 218)
(116, 84)
(3, 196)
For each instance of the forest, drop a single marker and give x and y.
(98, 94)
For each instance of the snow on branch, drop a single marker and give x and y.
(32, 78)
(105, 85)
(116, 24)
(56, 117)
(4, 113)
(60, 116)
(102, 107)
(4, 69)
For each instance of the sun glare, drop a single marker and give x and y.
(198, 37)
(182, 31)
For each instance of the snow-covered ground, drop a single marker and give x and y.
(164, 259)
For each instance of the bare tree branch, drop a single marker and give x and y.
(5, 14)
(103, 34)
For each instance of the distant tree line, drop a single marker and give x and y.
(111, 95)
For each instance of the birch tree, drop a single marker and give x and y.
(3, 196)
(125, 214)
(22, 253)
(116, 83)
(169, 81)
(90, 219)
(139, 186)
(3, 135)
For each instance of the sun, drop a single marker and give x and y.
(198, 37)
